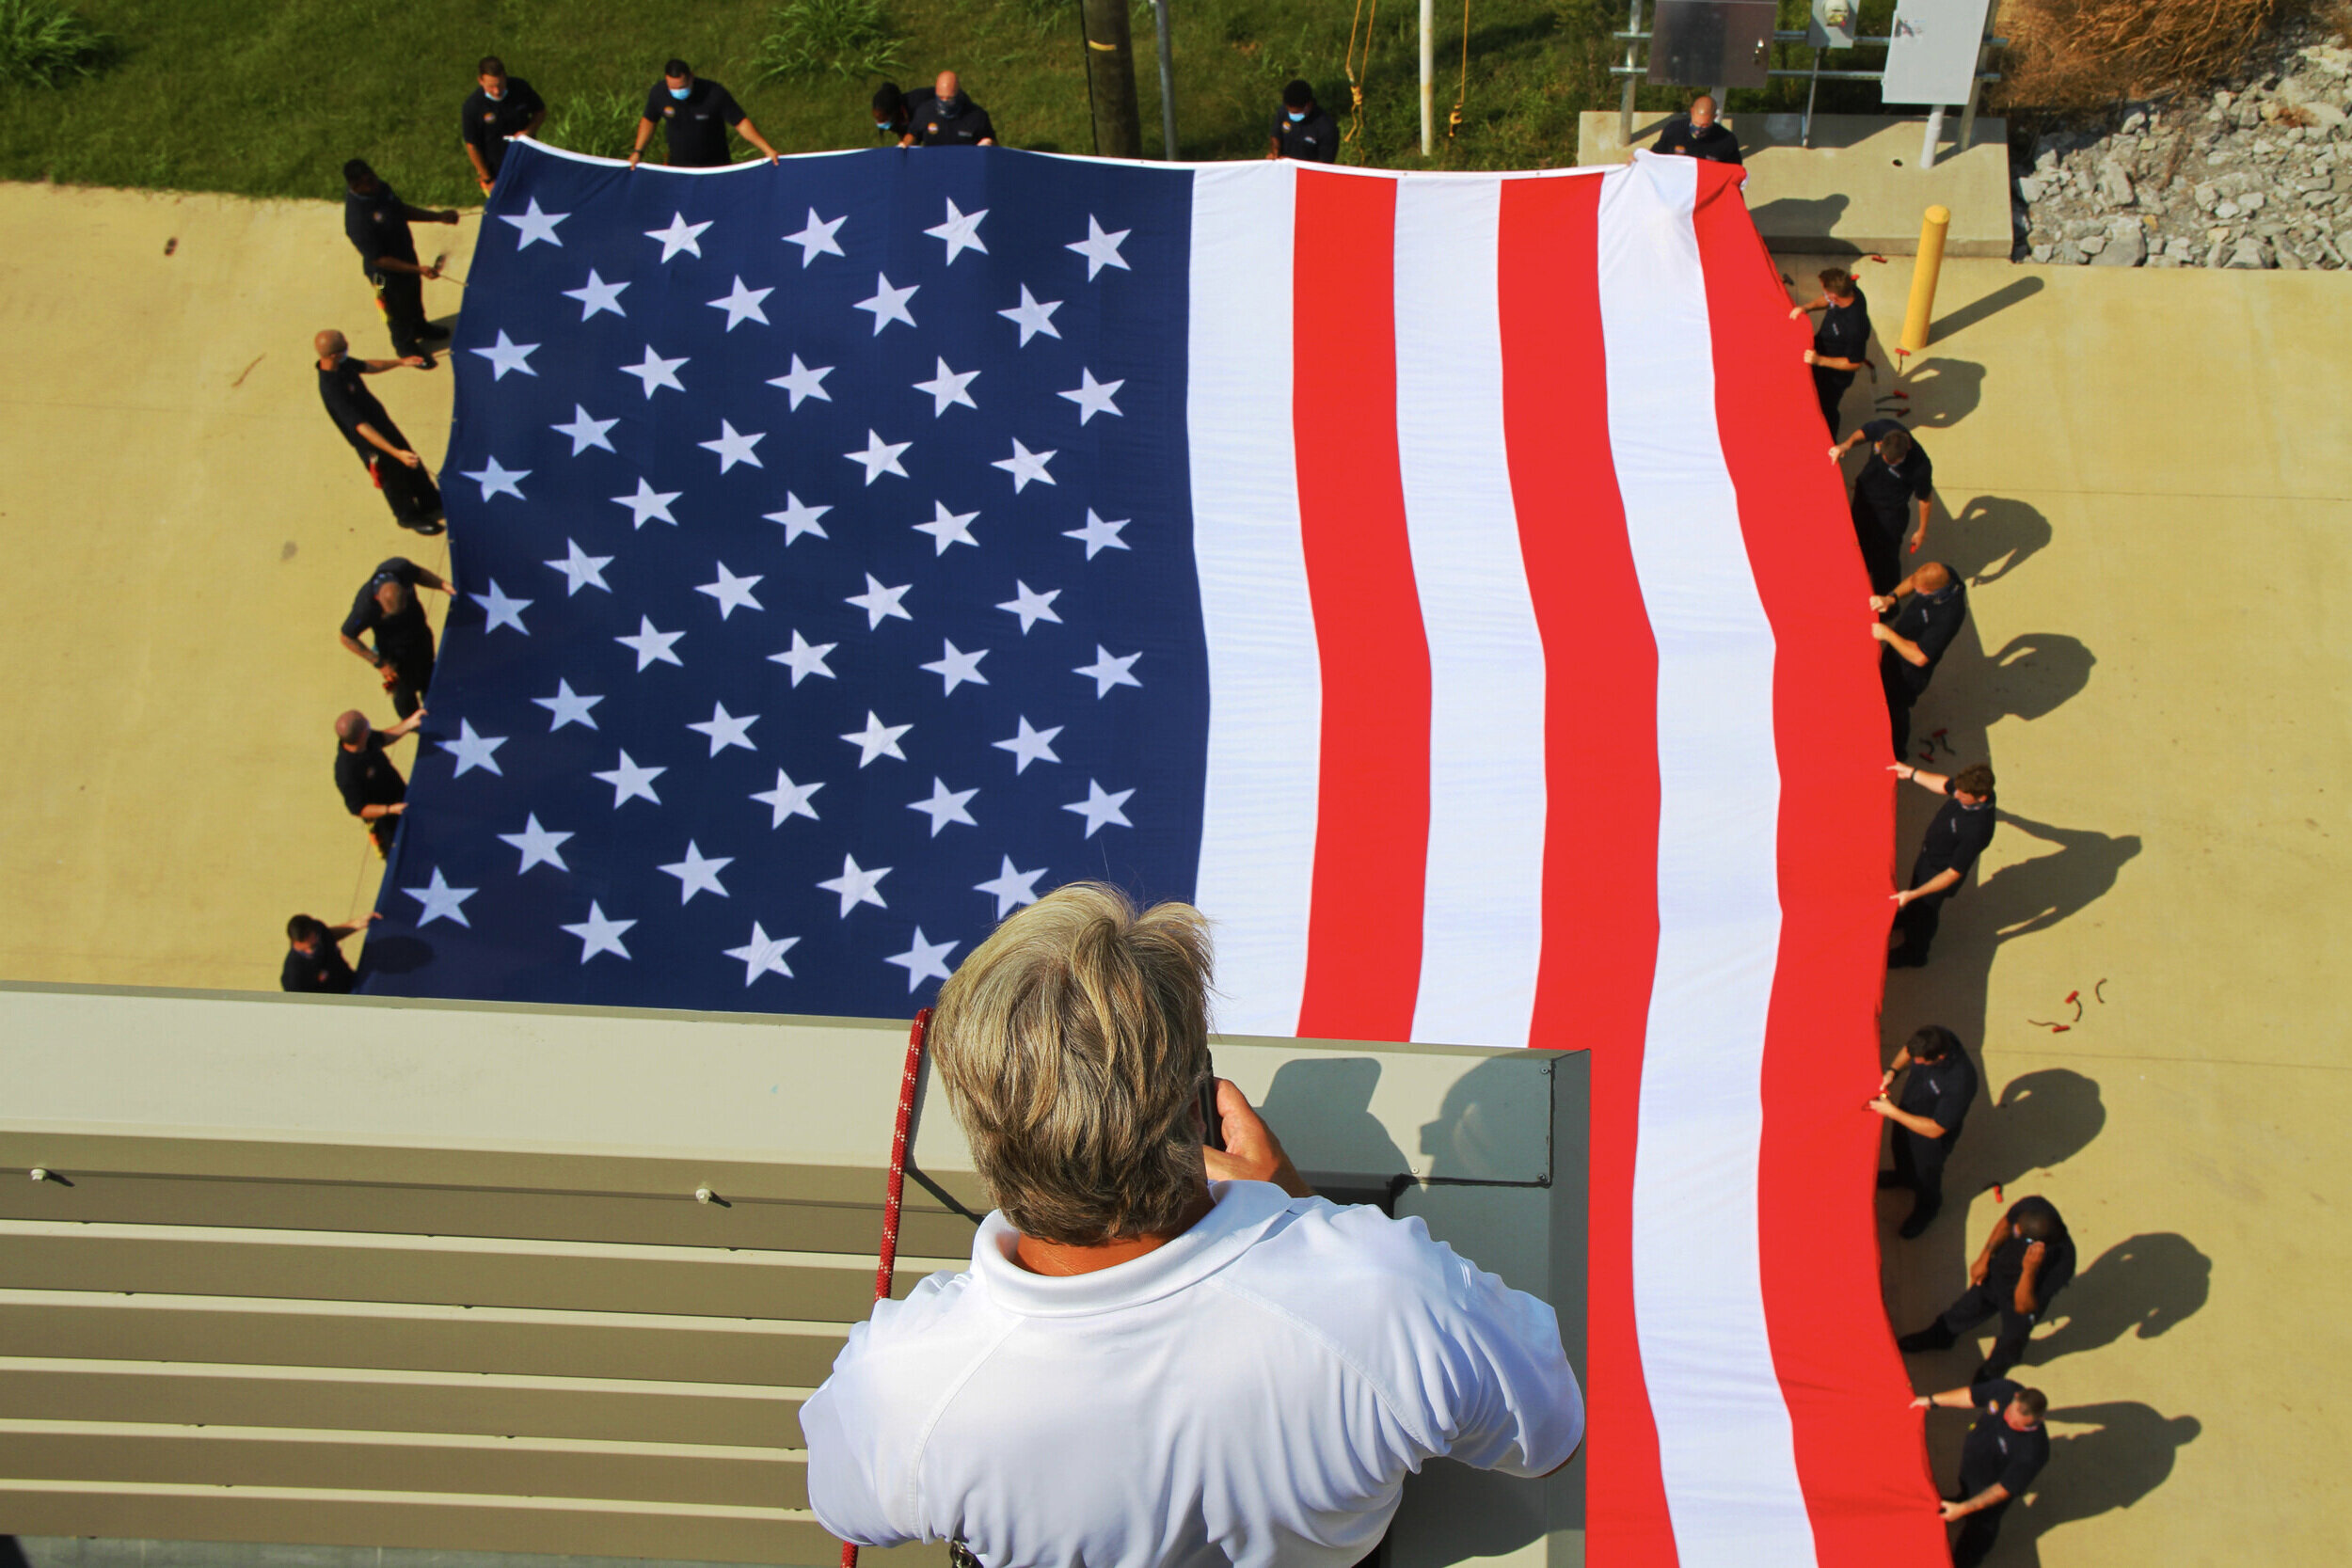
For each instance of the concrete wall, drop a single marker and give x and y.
(343, 1272)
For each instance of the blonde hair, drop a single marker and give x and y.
(1073, 1043)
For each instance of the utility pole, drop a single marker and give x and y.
(1111, 78)
(1167, 83)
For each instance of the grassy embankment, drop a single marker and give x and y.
(225, 95)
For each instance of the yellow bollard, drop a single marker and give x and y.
(1923, 276)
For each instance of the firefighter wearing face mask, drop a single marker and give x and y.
(1304, 129)
(694, 113)
(499, 108)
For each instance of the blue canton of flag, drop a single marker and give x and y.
(826, 586)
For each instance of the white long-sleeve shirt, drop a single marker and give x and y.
(1253, 1392)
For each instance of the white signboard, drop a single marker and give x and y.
(1933, 58)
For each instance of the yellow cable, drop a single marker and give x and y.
(1354, 83)
(1461, 89)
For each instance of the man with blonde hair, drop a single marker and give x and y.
(1162, 1353)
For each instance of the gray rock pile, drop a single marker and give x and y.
(2255, 174)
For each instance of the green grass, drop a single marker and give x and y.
(852, 38)
(45, 43)
(270, 99)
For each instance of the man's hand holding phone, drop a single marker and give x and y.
(1251, 1153)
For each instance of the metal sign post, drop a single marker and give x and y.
(1428, 63)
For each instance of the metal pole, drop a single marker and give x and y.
(1804, 133)
(1167, 83)
(1428, 68)
(1975, 83)
(1625, 103)
(1935, 134)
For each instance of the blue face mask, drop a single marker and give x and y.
(882, 125)
(679, 93)
(1295, 115)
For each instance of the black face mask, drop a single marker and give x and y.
(951, 105)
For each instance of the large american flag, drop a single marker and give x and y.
(1437, 578)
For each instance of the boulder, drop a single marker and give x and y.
(2126, 246)
(2248, 254)
(2115, 186)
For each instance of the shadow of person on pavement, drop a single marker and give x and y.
(2146, 1284)
(2026, 896)
(2042, 1118)
(2129, 1452)
(2032, 675)
(1943, 392)
(1988, 538)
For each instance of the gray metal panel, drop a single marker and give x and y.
(1933, 58)
(1725, 44)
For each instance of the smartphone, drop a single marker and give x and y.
(1211, 1119)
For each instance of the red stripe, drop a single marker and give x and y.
(1372, 821)
(1601, 761)
(1859, 1452)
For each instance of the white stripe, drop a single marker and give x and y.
(1725, 1445)
(1482, 908)
(1265, 689)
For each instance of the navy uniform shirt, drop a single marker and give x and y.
(696, 125)
(1883, 491)
(1715, 144)
(1932, 620)
(1954, 839)
(1314, 139)
(2008, 1263)
(367, 776)
(1997, 1451)
(485, 123)
(377, 225)
(322, 970)
(405, 638)
(1941, 1091)
(961, 123)
(913, 106)
(1843, 330)
(344, 392)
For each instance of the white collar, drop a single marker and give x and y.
(1243, 1212)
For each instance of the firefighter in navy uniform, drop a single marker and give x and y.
(500, 108)
(1304, 129)
(1925, 1119)
(948, 118)
(2006, 1450)
(694, 115)
(399, 472)
(376, 221)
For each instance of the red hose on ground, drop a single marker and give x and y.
(886, 1269)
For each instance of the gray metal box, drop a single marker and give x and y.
(1724, 43)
